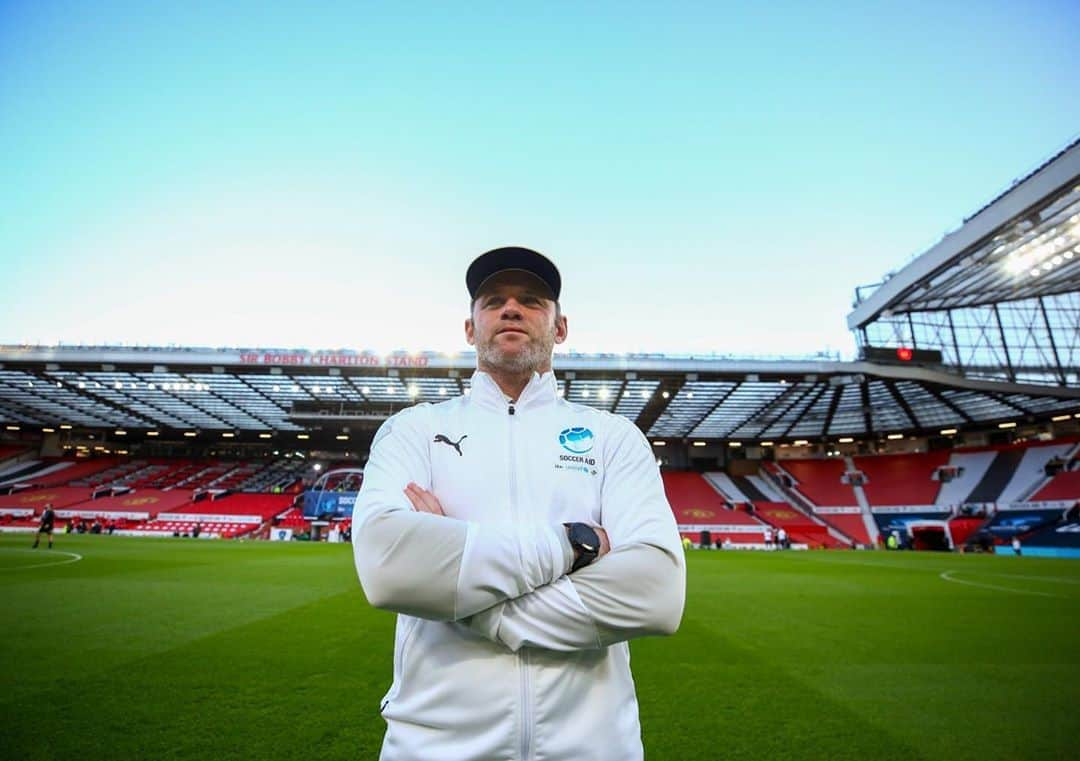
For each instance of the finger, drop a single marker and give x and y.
(605, 543)
(432, 502)
(414, 498)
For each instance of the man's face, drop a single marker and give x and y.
(514, 325)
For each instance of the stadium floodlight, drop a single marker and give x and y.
(1006, 425)
(894, 436)
(277, 388)
(119, 433)
(295, 388)
(602, 394)
(585, 393)
(342, 437)
(801, 442)
(190, 434)
(121, 451)
(766, 443)
(65, 427)
(153, 433)
(414, 390)
(303, 436)
(689, 394)
(665, 394)
(845, 440)
(699, 443)
(659, 443)
(11, 427)
(365, 390)
(644, 394)
(317, 467)
(265, 435)
(82, 384)
(1059, 418)
(53, 430)
(734, 443)
(227, 435)
(315, 389)
(947, 431)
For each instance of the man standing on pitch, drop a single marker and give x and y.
(48, 521)
(523, 540)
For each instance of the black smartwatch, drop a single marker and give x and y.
(586, 544)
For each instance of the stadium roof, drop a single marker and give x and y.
(281, 392)
(1023, 244)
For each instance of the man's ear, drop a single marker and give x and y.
(560, 328)
(470, 333)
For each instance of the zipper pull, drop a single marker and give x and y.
(511, 410)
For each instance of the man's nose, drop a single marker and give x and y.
(511, 309)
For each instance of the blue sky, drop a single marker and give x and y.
(708, 178)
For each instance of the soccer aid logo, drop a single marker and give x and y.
(577, 440)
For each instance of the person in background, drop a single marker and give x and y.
(48, 521)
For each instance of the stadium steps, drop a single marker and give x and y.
(801, 503)
(749, 489)
(997, 477)
(1030, 473)
(970, 468)
(727, 488)
(866, 513)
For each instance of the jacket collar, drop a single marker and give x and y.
(541, 389)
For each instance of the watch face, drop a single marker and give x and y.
(585, 537)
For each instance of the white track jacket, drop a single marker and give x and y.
(499, 653)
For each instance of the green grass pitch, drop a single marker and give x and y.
(170, 649)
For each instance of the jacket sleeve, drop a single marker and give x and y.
(431, 566)
(638, 589)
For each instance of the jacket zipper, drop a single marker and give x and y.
(523, 656)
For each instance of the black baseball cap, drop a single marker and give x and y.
(513, 258)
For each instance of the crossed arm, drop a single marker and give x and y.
(510, 583)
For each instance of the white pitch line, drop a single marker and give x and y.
(74, 558)
(945, 575)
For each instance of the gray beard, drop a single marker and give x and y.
(533, 358)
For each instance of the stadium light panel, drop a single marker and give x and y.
(121, 451)
(190, 434)
(689, 394)
(303, 436)
(265, 435)
(766, 443)
(895, 436)
(11, 427)
(801, 443)
(665, 395)
(699, 443)
(1006, 425)
(228, 435)
(153, 433)
(442, 392)
(644, 394)
(659, 443)
(53, 430)
(365, 390)
(734, 443)
(585, 393)
(947, 431)
(277, 388)
(602, 394)
(845, 440)
(1059, 418)
(65, 427)
(342, 437)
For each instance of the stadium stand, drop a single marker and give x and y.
(1063, 486)
(901, 479)
(1030, 472)
(800, 528)
(698, 506)
(966, 471)
(819, 481)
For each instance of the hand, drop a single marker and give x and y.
(605, 544)
(423, 501)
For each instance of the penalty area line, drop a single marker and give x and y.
(945, 575)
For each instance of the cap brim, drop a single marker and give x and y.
(498, 260)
